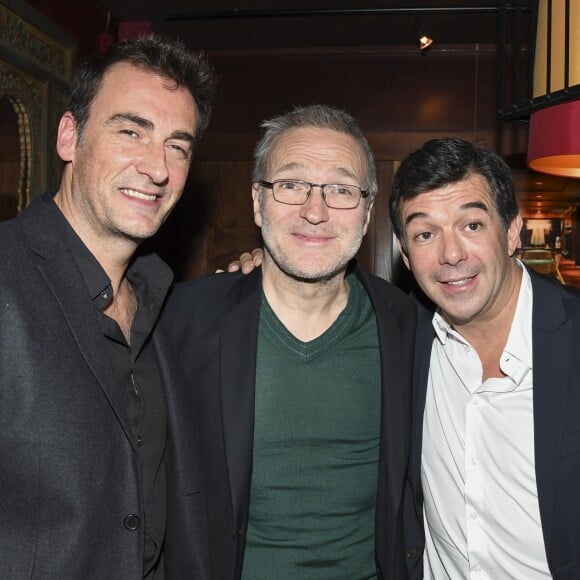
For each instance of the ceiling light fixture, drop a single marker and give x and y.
(423, 41)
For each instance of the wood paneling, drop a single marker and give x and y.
(213, 222)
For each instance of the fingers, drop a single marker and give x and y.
(247, 261)
(257, 256)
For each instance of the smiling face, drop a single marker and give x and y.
(459, 252)
(129, 169)
(311, 241)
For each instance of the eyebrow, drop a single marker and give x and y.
(469, 205)
(148, 125)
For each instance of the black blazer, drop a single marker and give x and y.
(70, 497)
(556, 356)
(214, 321)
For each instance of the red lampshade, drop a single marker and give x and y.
(554, 141)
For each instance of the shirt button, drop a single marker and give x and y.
(131, 522)
(477, 568)
(474, 517)
(473, 461)
(139, 441)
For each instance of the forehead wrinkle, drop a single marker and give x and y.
(422, 215)
(417, 215)
(295, 166)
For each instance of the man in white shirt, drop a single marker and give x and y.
(495, 462)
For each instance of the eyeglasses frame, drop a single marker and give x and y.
(364, 193)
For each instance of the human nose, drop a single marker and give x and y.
(452, 249)
(153, 163)
(314, 209)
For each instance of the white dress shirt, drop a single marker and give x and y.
(482, 518)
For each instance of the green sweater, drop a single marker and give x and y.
(316, 445)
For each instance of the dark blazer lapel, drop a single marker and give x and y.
(422, 361)
(186, 514)
(238, 336)
(392, 327)
(62, 276)
(394, 412)
(182, 418)
(551, 351)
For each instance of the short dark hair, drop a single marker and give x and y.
(165, 57)
(442, 162)
(320, 117)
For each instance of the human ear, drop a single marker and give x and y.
(403, 254)
(256, 203)
(66, 138)
(513, 234)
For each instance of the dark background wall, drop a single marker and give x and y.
(400, 96)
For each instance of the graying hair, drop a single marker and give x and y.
(320, 117)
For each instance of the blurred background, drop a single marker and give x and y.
(470, 76)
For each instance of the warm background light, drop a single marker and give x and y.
(554, 142)
(554, 138)
(558, 47)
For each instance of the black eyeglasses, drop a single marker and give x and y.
(296, 192)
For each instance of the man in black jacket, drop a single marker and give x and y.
(495, 452)
(301, 371)
(91, 428)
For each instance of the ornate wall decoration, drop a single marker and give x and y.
(36, 61)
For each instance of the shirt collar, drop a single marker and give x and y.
(519, 342)
(150, 277)
(516, 359)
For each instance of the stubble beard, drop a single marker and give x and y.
(287, 265)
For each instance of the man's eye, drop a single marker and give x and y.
(474, 226)
(180, 150)
(296, 186)
(129, 132)
(423, 236)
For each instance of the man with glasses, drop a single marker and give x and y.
(300, 371)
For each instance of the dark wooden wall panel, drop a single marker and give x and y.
(400, 97)
(213, 222)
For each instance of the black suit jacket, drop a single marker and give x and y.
(214, 321)
(556, 357)
(70, 497)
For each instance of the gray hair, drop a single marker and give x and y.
(318, 116)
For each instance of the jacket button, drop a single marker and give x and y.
(412, 552)
(131, 522)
